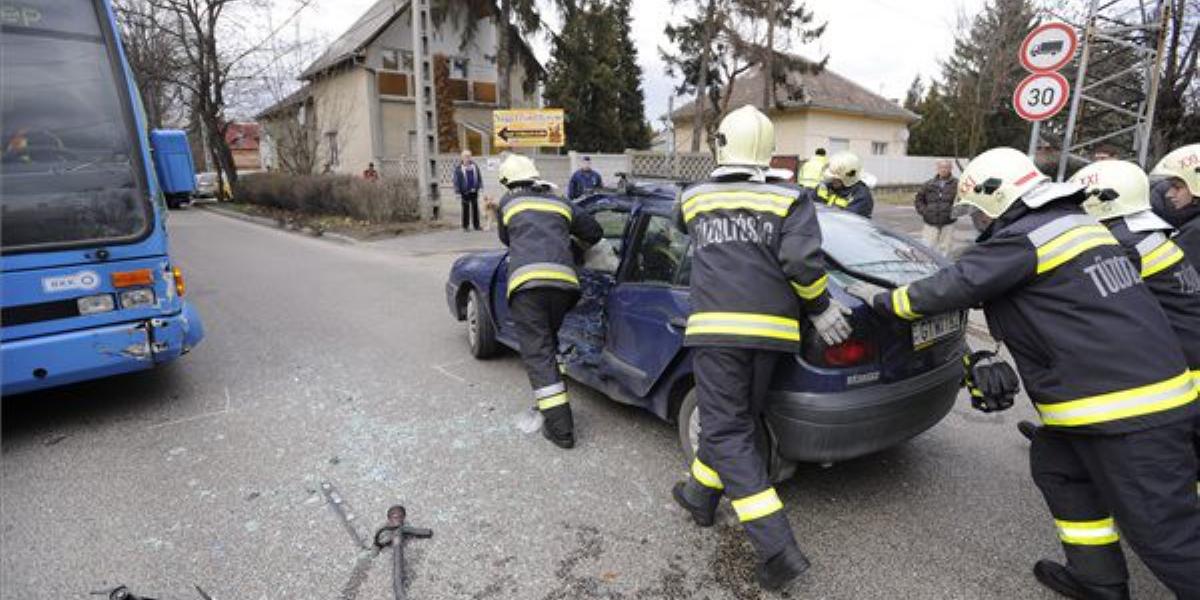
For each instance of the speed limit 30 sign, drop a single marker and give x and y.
(1040, 96)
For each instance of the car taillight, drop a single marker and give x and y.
(850, 353)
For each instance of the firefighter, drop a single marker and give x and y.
(1119, 196)
(1176, 196)
(844, 186)
(813, 169)
(1101, 364)
(537, 226)
(757, 268)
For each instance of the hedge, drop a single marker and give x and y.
(381, 201)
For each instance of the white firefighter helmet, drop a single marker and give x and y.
(1115, 188)
(745, 138)
(996, 179)
(516, 169)
(1182, 163)
(845, 167)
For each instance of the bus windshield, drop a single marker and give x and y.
(67, 171)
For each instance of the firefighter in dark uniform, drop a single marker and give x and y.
(537, 226)
(1101, 364)
(1176, 196)
(844, 186)
(1119, 196)
(757, 270)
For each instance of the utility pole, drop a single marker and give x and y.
(768, 66)
(426, 117)
(1118, 30)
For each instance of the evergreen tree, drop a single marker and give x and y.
(594, 76)
(635, 130)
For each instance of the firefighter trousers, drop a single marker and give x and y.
(731, 393)
(537, 314)
(1140, 486)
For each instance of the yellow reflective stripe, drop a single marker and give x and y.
(759, 505)
(521, 206)
(831, 198)
(707, 477)
(1087, 533)
(553, 275)
(747, 324)
(754, 201)
(1070, 244)
(552, 401)
(902, 305)
(1149, 399)
(813, 290)
(1161, 258)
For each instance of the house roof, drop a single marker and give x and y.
(364, 31)
(242, 136)
(295, 98)
(825, 90)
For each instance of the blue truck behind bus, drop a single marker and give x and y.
(173, 165)
(87, 286)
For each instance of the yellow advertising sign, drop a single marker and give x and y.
(528, 128)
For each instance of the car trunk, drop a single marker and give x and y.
(858, 250)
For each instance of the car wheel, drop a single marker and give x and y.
(688, 421)
(481, 336)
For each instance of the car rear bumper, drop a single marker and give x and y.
(59, 359)
(835, 427)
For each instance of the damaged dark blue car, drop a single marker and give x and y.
(888, 383)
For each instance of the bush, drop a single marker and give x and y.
(382, 201)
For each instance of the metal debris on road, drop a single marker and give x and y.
(394, 534)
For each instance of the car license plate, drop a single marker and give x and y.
(926, 332)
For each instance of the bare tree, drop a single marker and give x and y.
(154, 59)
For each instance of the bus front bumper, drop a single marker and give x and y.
(59, 359)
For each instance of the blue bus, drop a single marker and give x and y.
(87, 287)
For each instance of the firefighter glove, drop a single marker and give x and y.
(832, 325)
(865, 291)
(992, 382)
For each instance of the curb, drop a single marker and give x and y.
(273, 224)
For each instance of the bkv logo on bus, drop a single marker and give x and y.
(83, 280)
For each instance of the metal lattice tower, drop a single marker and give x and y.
(1125, 38)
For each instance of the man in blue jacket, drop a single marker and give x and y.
(584, 180)
(468, 180)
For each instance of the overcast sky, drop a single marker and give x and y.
(881, 44)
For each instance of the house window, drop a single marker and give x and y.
(484, 92)
(393, 84)
(472, 140)
(838, 145)
(458, 67)
(395, 59)
(331, 145)
(879, 148)
(460, 89)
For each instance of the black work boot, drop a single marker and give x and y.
(781, 571)
(1028, 429)
(700, 503)
(1060, 579)
(558, 426)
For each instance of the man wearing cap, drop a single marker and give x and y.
(584, 180)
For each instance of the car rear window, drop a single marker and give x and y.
(862, 249)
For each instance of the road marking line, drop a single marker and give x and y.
(442, 369)
(227, 409)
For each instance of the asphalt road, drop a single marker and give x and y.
(333, 363)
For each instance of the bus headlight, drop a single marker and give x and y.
(100, 303)
(137, 298)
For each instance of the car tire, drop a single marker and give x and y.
(688, 424)
(481, 335)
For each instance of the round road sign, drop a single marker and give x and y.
(1040, 96)
(1049, 47)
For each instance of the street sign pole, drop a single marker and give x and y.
(1034, 134)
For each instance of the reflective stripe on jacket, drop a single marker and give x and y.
(856, 198)
(756, 263)
(1094, 350)
(1171, 277)
(537, 228)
